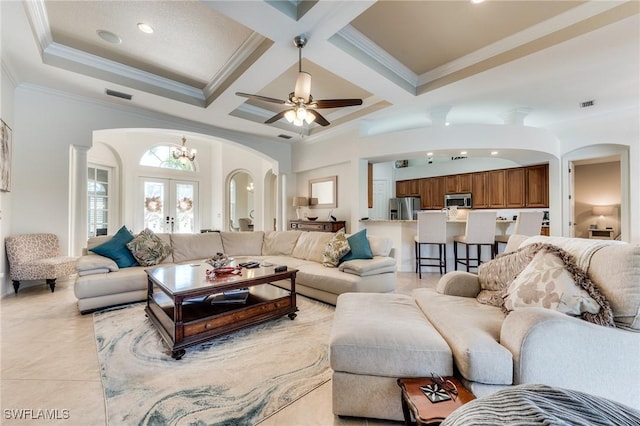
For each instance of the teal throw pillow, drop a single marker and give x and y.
(117, 250)
(360, 248)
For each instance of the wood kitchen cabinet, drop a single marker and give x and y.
(403, 188)
(437, 192)
(455, 184)
(515, 188)
(425, 193)
(495, 189)
(537, 183)
(479, 195)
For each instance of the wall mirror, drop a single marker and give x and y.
(325, 190)
(241, 207)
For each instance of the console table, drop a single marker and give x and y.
(316, 225)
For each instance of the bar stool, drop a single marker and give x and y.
(527, 223)
(432, 230)
(480, 231)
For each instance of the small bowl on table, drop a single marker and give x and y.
(312, 218)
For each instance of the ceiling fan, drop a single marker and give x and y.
(302, 105)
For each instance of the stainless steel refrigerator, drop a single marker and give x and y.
(404, 208)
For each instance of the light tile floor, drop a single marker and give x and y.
(48, 361)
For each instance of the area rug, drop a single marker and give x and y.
(237, 379)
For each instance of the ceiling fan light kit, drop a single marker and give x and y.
(301, 103)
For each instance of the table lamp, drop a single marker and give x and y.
(300, 202)
(601, 212)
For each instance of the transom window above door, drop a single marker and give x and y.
(161, 156)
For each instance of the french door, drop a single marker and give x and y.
(170, 205)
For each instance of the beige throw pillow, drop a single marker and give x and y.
(553, 281)
(495, 275)
(148, 249)
(335, 249)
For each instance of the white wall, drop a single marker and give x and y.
(7, 87)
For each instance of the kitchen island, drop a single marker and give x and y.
(402, 233)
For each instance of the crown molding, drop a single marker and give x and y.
(375, 53)
(39, 21)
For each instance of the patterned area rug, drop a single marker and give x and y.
(237, 379)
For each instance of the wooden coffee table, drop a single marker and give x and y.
(415, 405)
(175, 302)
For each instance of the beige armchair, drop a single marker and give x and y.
(37, 257)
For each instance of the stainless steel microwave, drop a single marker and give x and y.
(462, 201)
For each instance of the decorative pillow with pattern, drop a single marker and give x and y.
(335, 249)
(496, 275)
(553, 281)
(148, 248)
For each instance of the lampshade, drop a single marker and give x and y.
(300, 201)
(602, 210)
(313, 201)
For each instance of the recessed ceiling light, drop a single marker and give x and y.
(447, 123)
(109, 37)
(145, 28)
(477, 1)
(494, 152)
(463, 152)
(429, 154)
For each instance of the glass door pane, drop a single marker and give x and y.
(185, 195)
(154, 206)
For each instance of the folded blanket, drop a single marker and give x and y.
(367, 267)
(581, 248)
(95, 262)
(535, 404)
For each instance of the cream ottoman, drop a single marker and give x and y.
(376, 339)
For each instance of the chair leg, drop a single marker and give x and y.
(52, 284)
(455, 255)
(466, 246)
(16, 286)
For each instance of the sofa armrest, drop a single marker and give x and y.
(94, 262)
(367, 267)
(560, 350)
(459, 283)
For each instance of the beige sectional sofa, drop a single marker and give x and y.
(100, 283)
(377, 338)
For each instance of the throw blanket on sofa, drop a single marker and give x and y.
(542, 405)
(582, 249)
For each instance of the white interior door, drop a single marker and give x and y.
(381, 196)
(170, 205)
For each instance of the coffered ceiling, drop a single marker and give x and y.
(414, 63)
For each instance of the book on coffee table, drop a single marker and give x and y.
(230, 296)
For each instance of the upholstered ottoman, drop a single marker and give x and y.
(376, 339)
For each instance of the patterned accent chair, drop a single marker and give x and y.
(37, 257)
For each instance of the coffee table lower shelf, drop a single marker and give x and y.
(202, 322)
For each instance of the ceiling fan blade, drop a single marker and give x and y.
(319, 118)
(276, 117)
(261, 98)
(336, 103)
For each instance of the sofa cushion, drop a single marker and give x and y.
(148, 248)
(116, 248)
(380, 246)
(615, 270)
(360, 248)
(187, 247)
(335, 249)
(495, 275)
(332, 280)
(123, 281)
(310, 245)
(385, 335)
(242, 243)
(546, 283)
(472, 331)
(278, 243)
(366, 267)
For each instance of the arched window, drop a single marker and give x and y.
(161, 156)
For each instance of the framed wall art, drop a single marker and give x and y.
(5, 156)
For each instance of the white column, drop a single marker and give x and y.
(78, 200)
